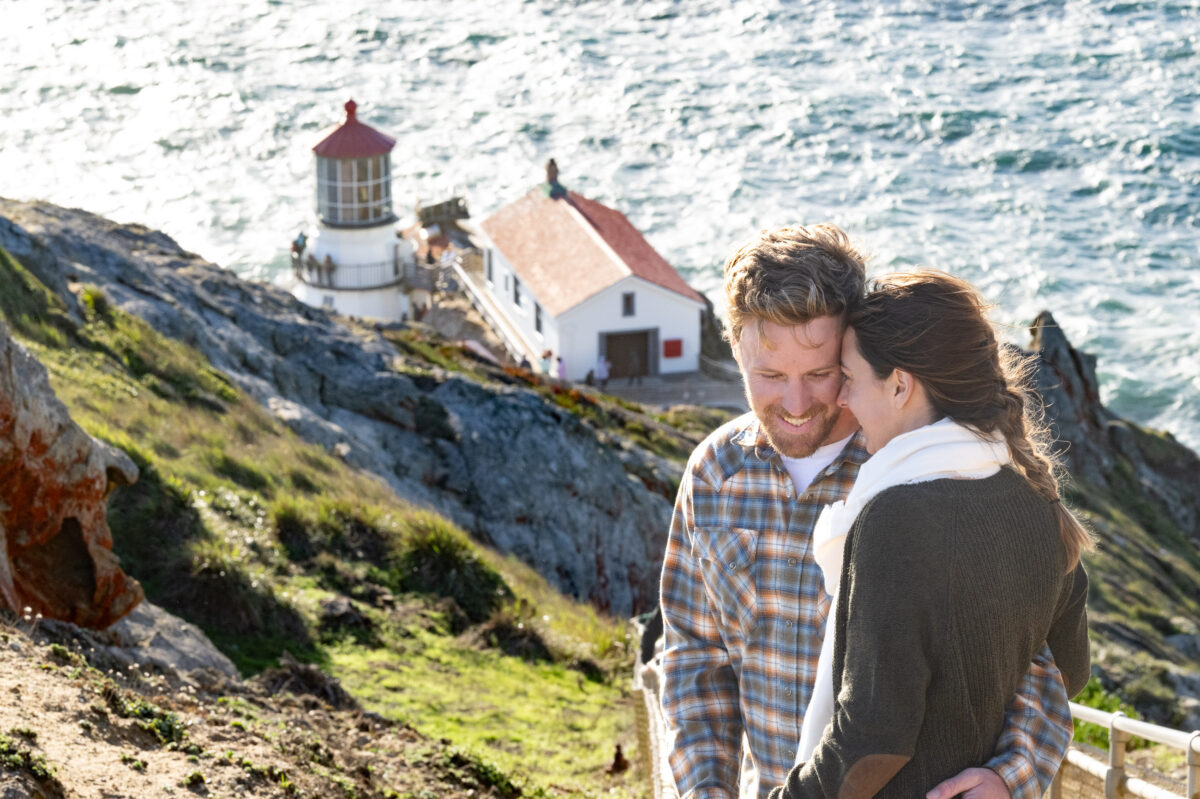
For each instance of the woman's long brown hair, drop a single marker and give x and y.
(933, 326)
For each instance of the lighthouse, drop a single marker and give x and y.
(356, 264)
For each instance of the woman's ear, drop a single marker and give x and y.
(902, 387)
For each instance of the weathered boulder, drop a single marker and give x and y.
(152, 638)
(57, 555)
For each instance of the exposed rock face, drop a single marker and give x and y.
(1095, 440)
(57, 557)
(1143, 489)
(510, 468)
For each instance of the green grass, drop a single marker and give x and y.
(499, 708)
(33, 311)
(16, 756)
(239, 526)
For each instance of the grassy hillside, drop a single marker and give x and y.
(270, 544)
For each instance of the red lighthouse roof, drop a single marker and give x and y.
(353, 139)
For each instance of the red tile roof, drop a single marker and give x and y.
(353, 139)
(569, 248)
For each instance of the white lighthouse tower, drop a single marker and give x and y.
(356, 264)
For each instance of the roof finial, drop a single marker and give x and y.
(351, 107)
(553, 187)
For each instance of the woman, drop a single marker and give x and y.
(951, 561)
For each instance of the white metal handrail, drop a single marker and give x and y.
(512, 340)
(1120, 729)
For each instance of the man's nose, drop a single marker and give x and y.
(796, 398)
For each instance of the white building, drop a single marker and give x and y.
(578, 279)
(356, 263)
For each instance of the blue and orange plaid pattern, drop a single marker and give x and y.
(744, 611)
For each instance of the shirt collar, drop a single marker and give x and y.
(753, 438)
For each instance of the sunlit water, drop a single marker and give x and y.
(1047, 151)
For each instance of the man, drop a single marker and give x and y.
(743, 602)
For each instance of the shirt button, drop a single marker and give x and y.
(788, 623)
(787, 691)
(792, 561)
(732, 566)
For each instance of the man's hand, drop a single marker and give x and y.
(974, 783)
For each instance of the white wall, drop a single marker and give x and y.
(522, 316)
(576, 334)
(675, 317)
(356, 245)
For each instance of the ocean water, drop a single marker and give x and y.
(1048, 151)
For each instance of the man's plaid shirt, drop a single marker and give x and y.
(744, 611)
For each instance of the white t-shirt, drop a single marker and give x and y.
(803, 470)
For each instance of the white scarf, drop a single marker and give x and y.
(939, 450)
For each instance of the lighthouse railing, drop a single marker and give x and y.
(353, 277)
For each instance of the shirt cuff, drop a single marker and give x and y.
(1015, 772)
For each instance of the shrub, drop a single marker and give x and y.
(95, 302)
(1094, 695)
(244, 474)
(438, 559)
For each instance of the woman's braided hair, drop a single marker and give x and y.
(934, 326)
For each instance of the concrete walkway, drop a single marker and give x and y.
(691, 388)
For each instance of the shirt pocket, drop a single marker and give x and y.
(727, 557)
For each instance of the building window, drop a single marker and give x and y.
(516, 292)
(627, 307)
(327, 301)
(537, 317)
(487, 261)
(354, 191)
(673, 348)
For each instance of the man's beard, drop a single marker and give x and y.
(800, 445)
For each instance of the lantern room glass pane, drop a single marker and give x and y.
(354, 191)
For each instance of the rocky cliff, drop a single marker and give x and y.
(514, 470)
(1139, 490)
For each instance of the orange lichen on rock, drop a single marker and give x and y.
(57, 557)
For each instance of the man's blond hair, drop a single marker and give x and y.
(792, 275)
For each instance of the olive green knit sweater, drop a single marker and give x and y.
(948, 589)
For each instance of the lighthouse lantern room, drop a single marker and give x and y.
(356, 263)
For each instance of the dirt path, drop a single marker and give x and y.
(68, 729)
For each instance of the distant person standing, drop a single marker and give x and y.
(601, 371)
(635, 368)
(561, 368)
(545, 363)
